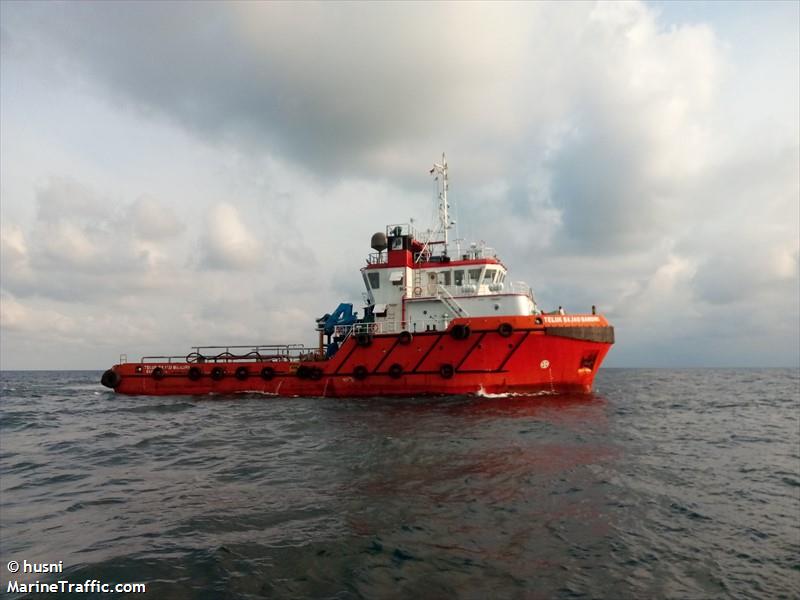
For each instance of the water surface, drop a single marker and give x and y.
(662, 484)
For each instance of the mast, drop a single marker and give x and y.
(440, 169)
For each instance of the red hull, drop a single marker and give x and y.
(549, 353)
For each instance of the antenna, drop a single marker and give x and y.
(440, 169)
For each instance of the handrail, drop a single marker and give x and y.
(370, 328)
(225, 354)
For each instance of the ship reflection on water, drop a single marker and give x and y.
(512, 482)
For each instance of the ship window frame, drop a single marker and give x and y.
(444, 277)
(374, 278)
(458, 276)
(471, 274)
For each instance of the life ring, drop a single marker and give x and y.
(267, 373)
(360, 372)
(363, 339)
(446, 371)
(217, 373)
(195, 373)
(418, 291)
(405, 337)
(505, 329)
(396, 371)
(158, 374)
(242, 373)
(110, 379)
(460, 331)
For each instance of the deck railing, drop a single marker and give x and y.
(223, 354)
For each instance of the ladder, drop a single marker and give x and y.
(450, 302)
(417, 282)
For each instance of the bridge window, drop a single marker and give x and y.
(474, 275)
(374, 280)
(458, 277)
(488, 276)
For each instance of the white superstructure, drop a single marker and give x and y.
(409, 287)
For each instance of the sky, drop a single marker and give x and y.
(181, 174)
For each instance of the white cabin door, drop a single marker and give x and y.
(431, 284)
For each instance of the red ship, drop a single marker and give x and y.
(433, 324)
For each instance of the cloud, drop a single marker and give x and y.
(613, 158)
(153, 221)
(82, 245)
(228, 243)
(359, 88)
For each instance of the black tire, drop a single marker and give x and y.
(363, 339)
(505, 329)
(304, 372)
(111, 379)
(195, 373)
(396, 371)
(158, 374)
(405, 338)
(267, 373)
(446, 371)
(460, 331)
(217, 373)
(242, 373)
(360, 372)
(316, 373)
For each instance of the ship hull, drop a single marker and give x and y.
(492, 355)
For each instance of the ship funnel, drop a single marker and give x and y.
(379, 243)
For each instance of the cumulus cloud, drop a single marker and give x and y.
(154, 221)
(612, 156)
(228, 242)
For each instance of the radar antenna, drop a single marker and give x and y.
(440, 171)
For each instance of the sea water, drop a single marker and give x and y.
(661, 484)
